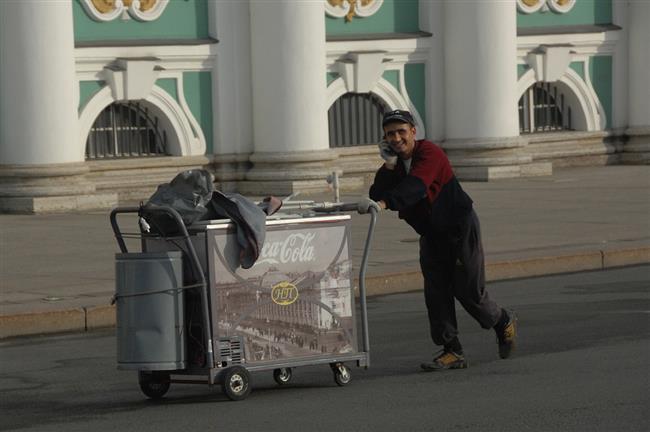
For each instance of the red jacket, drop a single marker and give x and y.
(429, 197)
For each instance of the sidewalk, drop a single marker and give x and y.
(57, 271)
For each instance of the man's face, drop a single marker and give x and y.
(401, 137)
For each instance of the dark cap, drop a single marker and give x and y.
(398, 116)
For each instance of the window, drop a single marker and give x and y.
(355, 119)
(125, 130)
(542, 108)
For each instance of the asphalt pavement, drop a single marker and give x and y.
(57, 270)
(581, 364)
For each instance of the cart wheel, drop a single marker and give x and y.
(154, 384)
(342, 374)
(236, 383)
(282, 375)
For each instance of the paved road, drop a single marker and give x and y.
(582, 365)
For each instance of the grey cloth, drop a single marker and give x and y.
(453, 268)
(249, 219)
(191, 193)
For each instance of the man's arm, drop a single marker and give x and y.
(385, 179)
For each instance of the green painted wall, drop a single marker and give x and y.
(415, 81)
(392, 77)
(393, 16)
(182, 19)
(521, 69)
(579, 68)
(170, 86)
(331, 77)
(600, 71)
(197, 87)
(87, 89)
(584, 12)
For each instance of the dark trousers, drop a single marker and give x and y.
(453, 267)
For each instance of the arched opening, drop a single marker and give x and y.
(546, 107)
(127, 129)
(355, 120)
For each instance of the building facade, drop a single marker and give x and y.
(102, 100)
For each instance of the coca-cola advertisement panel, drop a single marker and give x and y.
(296, 301)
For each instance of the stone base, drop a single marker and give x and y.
(640, 158)
(567, 149)
(282, 188)
(50, 188)
(136, 180)
(537, 169)
(57, 204)
(636, 150)
(282, 174)
(359, 165)
(486, 159)
(488, 173)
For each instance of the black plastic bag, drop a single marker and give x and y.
(188, 193)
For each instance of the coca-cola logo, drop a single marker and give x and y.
(295, 248)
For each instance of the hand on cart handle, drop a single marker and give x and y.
(366, 205)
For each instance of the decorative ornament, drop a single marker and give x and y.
(351, 8)
(561, 6)
(531, 6)
(108, 10)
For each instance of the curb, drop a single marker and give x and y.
(35, 323)
(97, 317)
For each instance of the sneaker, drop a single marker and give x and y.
(446, 360)
(506, 337)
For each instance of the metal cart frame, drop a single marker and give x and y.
(233, 378)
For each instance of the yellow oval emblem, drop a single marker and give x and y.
(284, 293)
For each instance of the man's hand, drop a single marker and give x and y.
(387, 154)
(366, 205)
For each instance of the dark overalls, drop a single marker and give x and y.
(430, 199)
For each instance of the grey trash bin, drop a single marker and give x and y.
(150, 333)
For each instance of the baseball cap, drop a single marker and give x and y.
(398, 116)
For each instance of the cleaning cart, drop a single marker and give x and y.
(187, 312)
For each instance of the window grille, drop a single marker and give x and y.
(542, 108)
(355, 119)
(125, 130)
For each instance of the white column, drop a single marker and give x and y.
(481, 69)
(482, 130)
(42, 166)
(230, 24)
(432, 20)
(639, 58)
(291, 144)
(38, 89)
(637, 148)
(289, 83)
(231, 91)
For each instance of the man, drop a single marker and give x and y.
(417, 181)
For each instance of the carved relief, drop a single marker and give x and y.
(351, 8)
(561, 6)
(531, 6)
(108, 10)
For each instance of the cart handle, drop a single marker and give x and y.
(116, 227)
(362, 284)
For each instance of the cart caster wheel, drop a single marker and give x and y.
(282, 376)
(342, 374)
(236, 383)
(154, 384)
